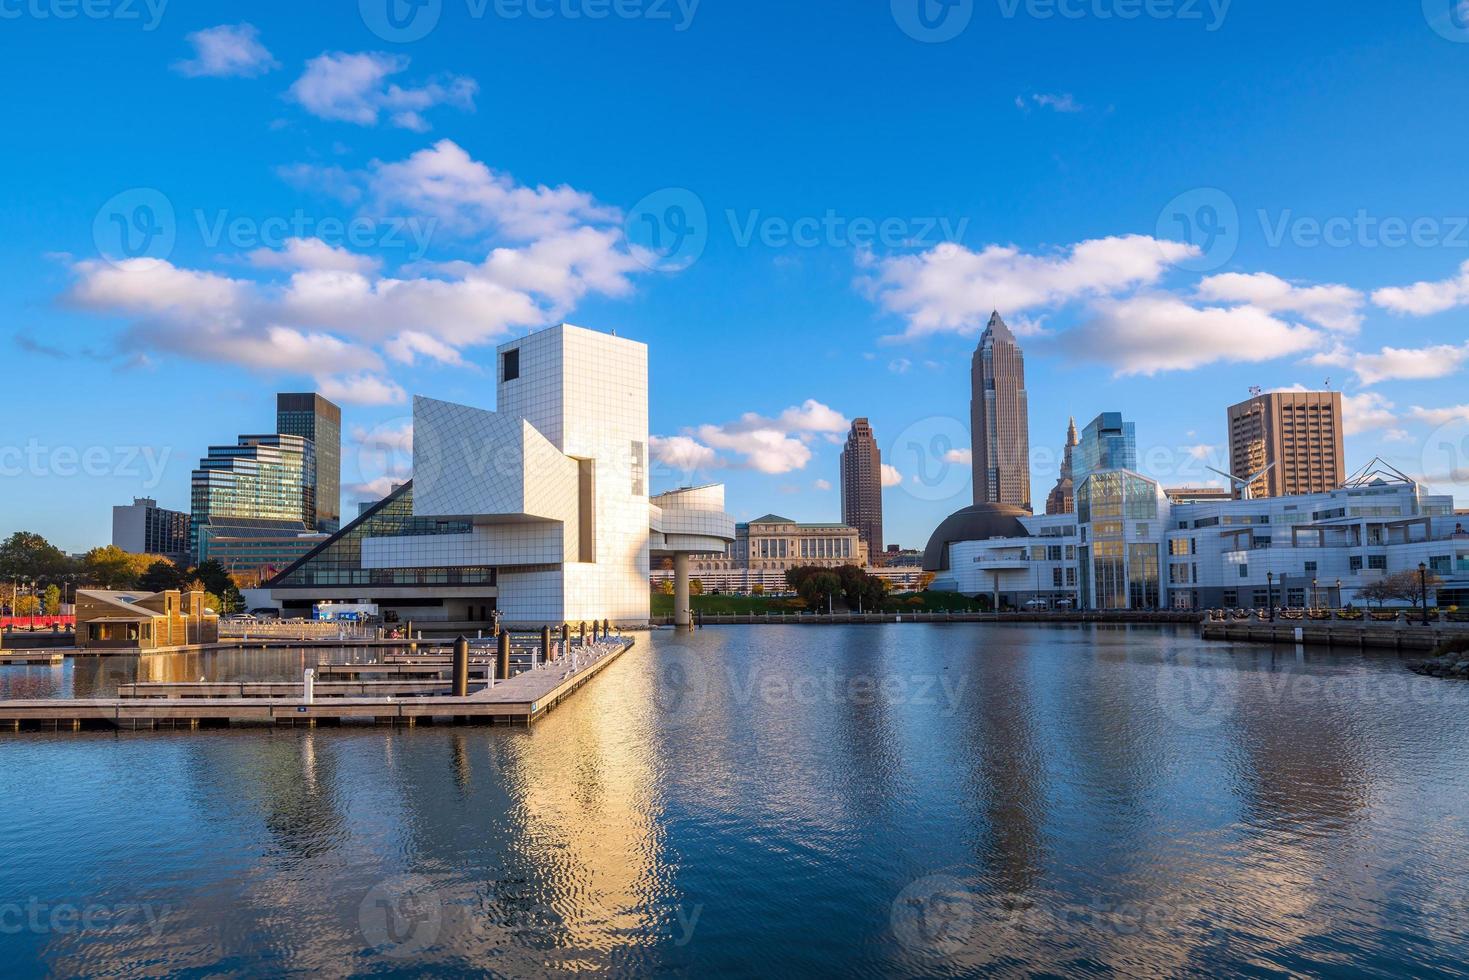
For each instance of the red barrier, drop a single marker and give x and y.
(65, 623)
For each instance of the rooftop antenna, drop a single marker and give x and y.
(1328, 383)
(1243, 483)
(1256, 391)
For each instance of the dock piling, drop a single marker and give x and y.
(503, 666)
(461, 667)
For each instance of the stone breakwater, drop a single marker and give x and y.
(1455, 665)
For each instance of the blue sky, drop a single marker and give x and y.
(806, 210)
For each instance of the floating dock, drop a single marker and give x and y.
(523, 699)
(42, 657)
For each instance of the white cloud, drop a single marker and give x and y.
(950, 288)
(964, 456)
(392, 439)
(1332, 307)
(354, 88)
(1059, 102)
(890, 476)
(361, 389)
(337, 312)
(822, 485)
(683, 453)
(1201, 451)
(1440, 416)
(1366, 411)
(900, 365)
(229, 50)
(313, 254)
(1155, 332)
(767, 445)
(465, 196)
(378, 487)
(1410, 364)
(1424, 298)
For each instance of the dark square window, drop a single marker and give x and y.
(510, 365)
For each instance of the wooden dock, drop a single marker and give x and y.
(39, 657)
(523, 699)
(176, 690)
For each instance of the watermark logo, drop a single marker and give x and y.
(401, 917)
(1446, 454)
(1448, 18)
(400, 21)
(1211, 13)
(1207, 218)
(935, 917)
(1195, 696)
(37, 459)
(932, 455)
(668, 229)
(682, 688)
(135, 224)
(933, 21)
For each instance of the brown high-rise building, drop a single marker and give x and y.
(1300, 432)
(862, 486)
(1063, 495)
(999, 419)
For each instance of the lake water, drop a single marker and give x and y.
(902, 800)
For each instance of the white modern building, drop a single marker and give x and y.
(540, 508)
(1128, 547)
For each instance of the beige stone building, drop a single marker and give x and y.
(1297, 434)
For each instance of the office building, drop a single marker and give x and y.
(1291, 439)
(999, 419)
(538, 510)
(311, 416)
(1107, 443)
(862, 485)
(258, 487)
(1062, 498)
(144, 528)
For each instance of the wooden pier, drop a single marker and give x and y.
(523, 699)
(40, 657)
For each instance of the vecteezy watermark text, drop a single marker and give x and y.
(148, 12)
(405, 21)
(39, 460)
(66, 918)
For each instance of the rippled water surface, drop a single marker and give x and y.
(909, 800)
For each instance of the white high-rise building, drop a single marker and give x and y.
(550, 490)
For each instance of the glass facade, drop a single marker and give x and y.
(260, 478)
(312, 417)
(338, 561)
(1107, 443)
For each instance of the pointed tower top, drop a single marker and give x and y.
(999, 328)
(1072, 439)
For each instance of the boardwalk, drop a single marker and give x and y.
(523, 699)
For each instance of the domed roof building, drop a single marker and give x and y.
(980, 522)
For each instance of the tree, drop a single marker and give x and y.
(110, 567)
(161, 576)
(696, 586)
(665, 586)
(217, 582)
(53, 601)
(757, 589)
(27, 605)
(1408, 587)
(26, 554)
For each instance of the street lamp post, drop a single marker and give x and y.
(1270, 593)
(1423, 588)
(1315, 596)
(1338, 595)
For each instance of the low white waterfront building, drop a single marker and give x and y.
(1128, 547)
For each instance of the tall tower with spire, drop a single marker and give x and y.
(1062, 499)
(999, 416)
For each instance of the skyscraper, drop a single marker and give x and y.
(311, 416)
(1299, 432)
(1062, 499)
(255, 488)
(1107, 443)
(862, 486)
(999, 419)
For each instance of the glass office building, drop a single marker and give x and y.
(262, 484)
(1107, 443)
(311, 416)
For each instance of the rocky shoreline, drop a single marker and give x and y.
(1454, 665)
